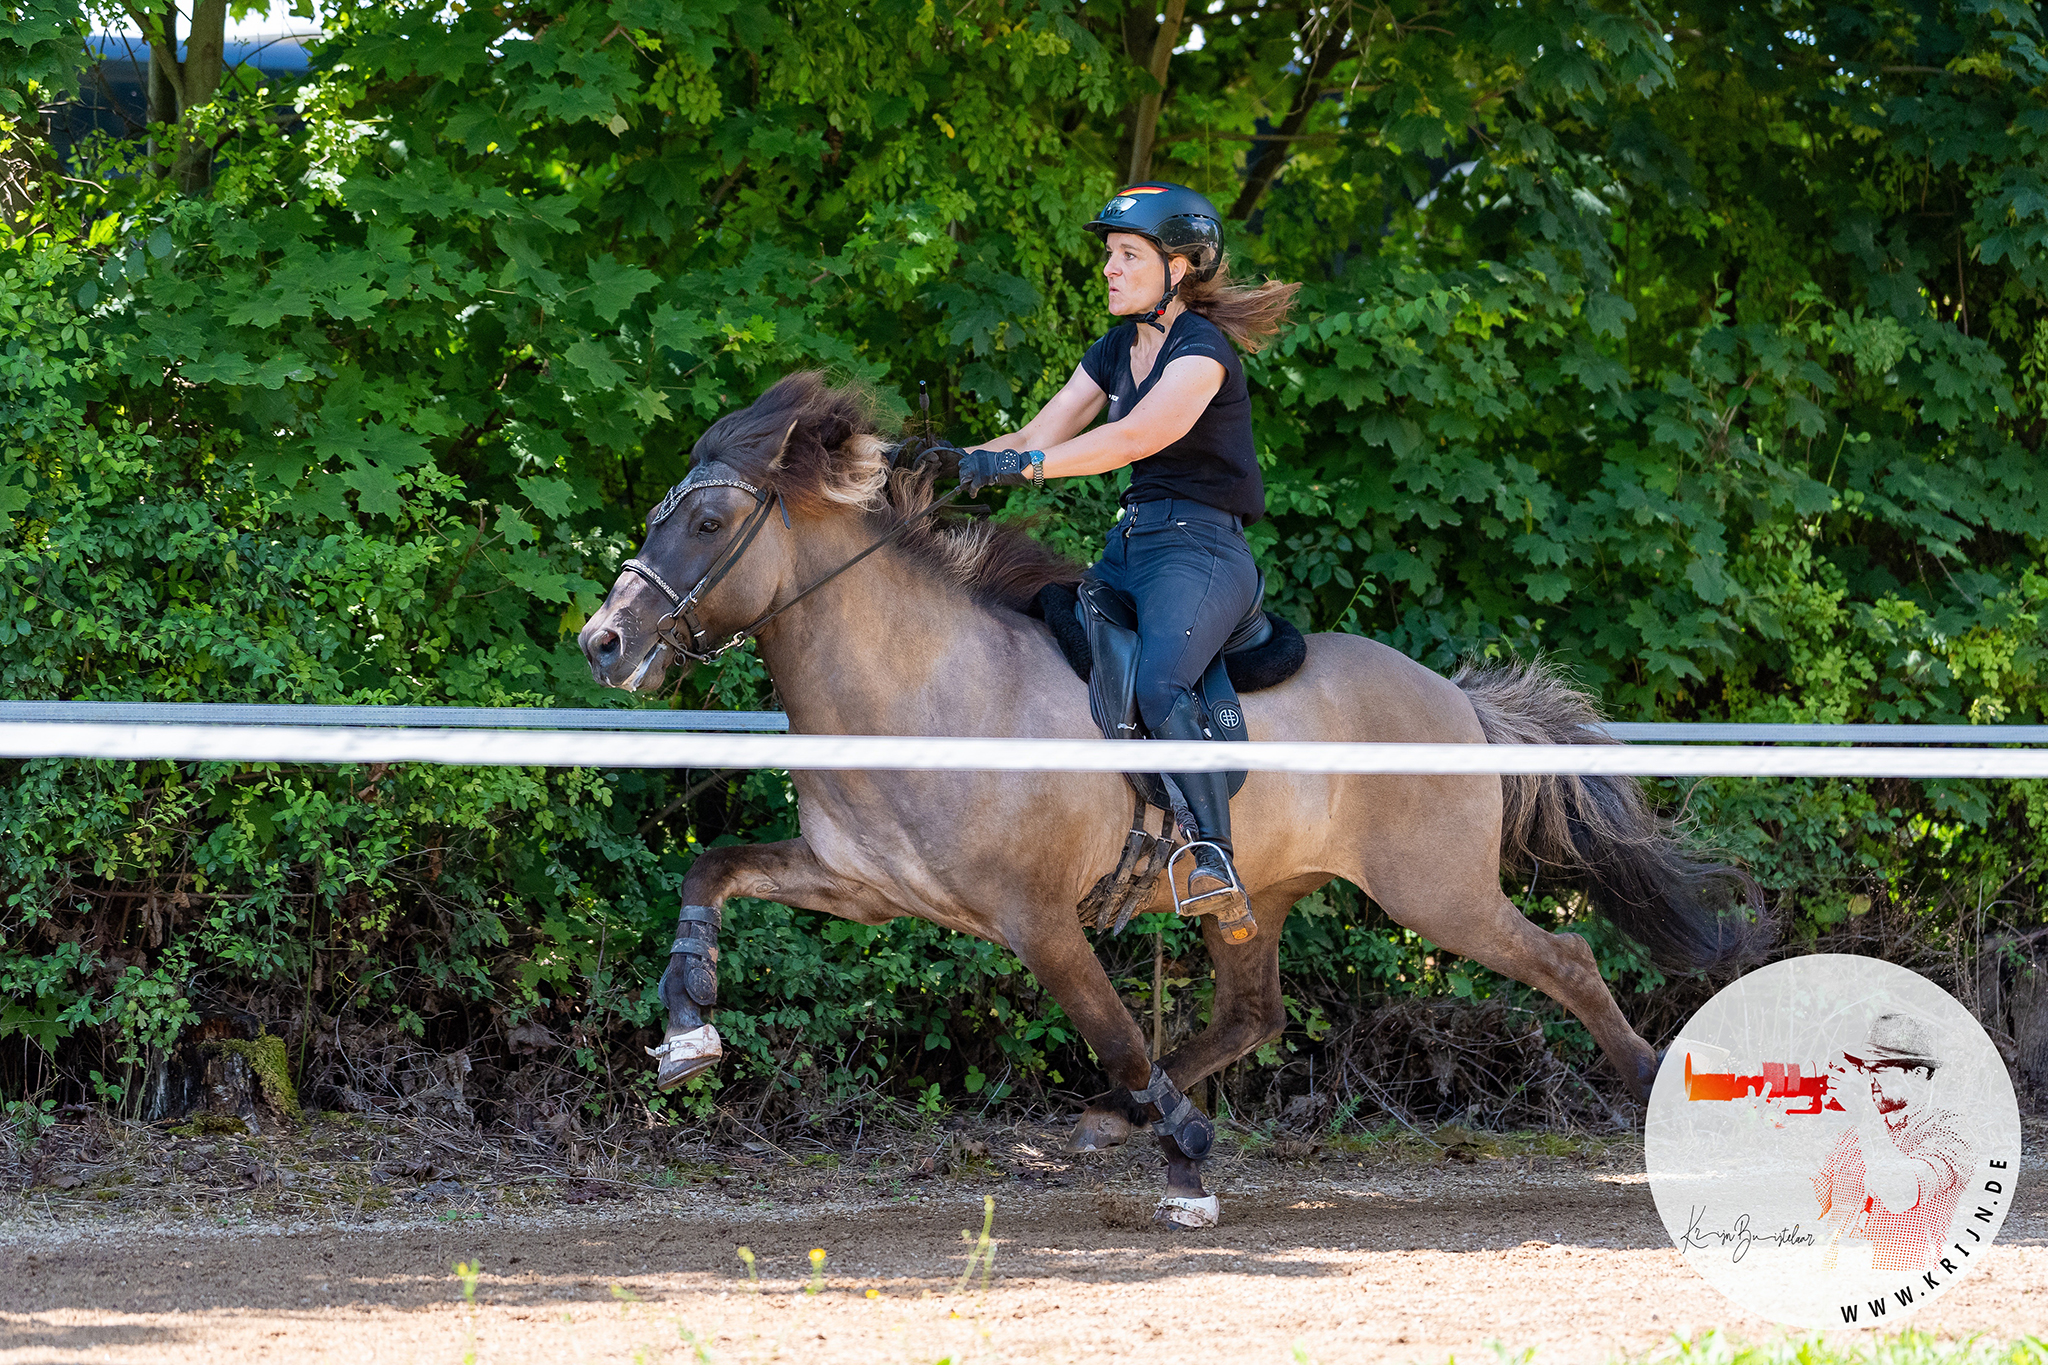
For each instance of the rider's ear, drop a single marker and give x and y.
(1178, 268)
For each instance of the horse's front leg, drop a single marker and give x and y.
(1058, 955)
(1248, 1012)
(787, 872)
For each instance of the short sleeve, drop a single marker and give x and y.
(1207, 339)
(1099, 364)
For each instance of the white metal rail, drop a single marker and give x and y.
(776, 722)
(540, 737)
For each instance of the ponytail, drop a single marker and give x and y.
(1249, 314)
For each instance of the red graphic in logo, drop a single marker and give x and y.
(1775, 1081)
(1892, 1179)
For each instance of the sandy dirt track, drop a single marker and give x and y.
(1335, 1261)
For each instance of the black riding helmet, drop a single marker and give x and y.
(1174, 218)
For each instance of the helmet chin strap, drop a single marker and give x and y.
(1166, 299)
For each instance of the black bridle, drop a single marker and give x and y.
(689, 641)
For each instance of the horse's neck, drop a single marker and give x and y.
(887, 648)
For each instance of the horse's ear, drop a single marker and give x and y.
(783, 449)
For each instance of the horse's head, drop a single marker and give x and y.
(720, 549)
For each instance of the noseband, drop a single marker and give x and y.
(689, 639)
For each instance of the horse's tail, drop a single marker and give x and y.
(1599, 835)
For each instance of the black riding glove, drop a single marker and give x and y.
(981, 469)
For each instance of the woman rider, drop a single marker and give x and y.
(1180, 414)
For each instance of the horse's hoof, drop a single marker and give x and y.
(1174, 1211)
(1098, 1130)
(683, 1055)
(1645, 1079)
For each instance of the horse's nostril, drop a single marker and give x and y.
(607, 643)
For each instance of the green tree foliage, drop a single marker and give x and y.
(1702, 348)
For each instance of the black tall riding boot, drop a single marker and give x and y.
(1213, 886)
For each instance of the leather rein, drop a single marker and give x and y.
(689, 640)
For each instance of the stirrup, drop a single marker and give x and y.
(1238, 928)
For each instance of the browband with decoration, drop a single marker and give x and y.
(698, 477)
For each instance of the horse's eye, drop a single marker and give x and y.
(708, 526)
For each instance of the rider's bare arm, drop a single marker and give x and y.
(1166, 414)
(1065, 417)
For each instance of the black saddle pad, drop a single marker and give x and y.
(1267, 664)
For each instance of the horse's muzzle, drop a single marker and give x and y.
(603, 650)
(608, 649)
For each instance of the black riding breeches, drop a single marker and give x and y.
(1187, 568)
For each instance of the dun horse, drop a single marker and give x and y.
(929, 636)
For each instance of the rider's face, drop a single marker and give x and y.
(1899, 1089)
(1134, 273)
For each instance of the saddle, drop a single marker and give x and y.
(1097, 630)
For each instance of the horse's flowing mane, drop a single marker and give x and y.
(818, 446)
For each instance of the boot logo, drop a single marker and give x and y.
(1229, 718)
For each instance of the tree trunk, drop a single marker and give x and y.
(1147, 126)
(1139, 29)
(2030, 1023)
(166, 84)
(1274, 155)
(177, 87)
(203, 65)
(223, 1079)
(1991, 991)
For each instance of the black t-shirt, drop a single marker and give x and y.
(1215, 463)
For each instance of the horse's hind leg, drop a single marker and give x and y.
(1488, 928)
(1248, 1010)
(1247, 1013)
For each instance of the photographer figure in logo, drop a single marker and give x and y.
(1892, 1180)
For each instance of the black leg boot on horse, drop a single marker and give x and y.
(689, 988)
(1203, 865)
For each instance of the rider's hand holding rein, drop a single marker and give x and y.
(1136, 277)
